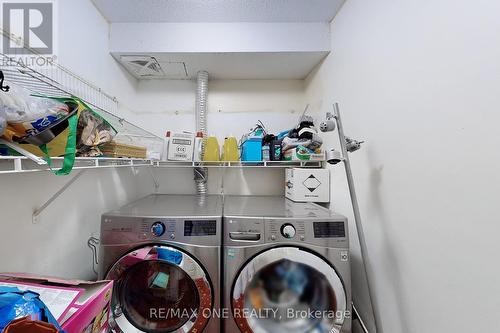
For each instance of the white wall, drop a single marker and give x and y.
(234, 106)
(57, 244)
(419, 81)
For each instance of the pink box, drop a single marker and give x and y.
(86, 307)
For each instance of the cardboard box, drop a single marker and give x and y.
(307, 185)
(181, 147)
(79, 306)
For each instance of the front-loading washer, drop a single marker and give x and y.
(286, 267)
(163, 253)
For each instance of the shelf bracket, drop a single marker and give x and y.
(156, 181)
(38, 211)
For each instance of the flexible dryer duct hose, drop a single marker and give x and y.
(201, 174)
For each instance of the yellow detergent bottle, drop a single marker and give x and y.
(212, 150)
(230, 151)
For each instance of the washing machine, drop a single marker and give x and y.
(163, 253)
(286, 267)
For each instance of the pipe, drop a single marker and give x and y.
(201, 174)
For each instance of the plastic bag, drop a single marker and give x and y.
(15, 303)
(28, 115)
(21, 107)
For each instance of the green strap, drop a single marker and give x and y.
(70, 150)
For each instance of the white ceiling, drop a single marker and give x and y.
(218, 10)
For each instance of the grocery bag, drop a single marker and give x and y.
(85, 132)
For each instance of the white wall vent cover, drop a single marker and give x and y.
(142, 66)
(148, 67)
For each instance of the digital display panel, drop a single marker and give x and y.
(200, 227)
(329, 229)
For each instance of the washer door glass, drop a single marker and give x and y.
(157, 296)
(288, 290)
(160, 289)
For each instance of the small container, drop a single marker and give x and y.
(164, 152)
(251, 149)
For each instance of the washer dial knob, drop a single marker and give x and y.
(288, 231)
(158, 229)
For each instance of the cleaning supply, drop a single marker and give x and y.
(275, 149)
(164, 153)
(230, 150)
(198, 147)
(251, 149)
(271, 148)
(265, 153)
(212, 150)
(251, 144)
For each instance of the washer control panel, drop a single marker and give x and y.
(199, 231)
(250, 231)
(324, 233)
(285, 230)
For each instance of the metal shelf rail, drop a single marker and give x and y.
(21, 164)
(239, 164)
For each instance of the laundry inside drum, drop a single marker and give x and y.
(290, 297)
(157, 296)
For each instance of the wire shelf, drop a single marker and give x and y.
(21, 164)
(239, 164)
(55, 80)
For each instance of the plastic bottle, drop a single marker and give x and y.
(198, 147)
(230, 150)
(266, 156)
(212, 150)
(164, 153)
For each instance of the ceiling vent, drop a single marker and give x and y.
(149, 67)
(143, 66)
